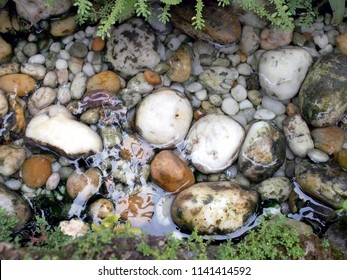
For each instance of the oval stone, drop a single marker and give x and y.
(214, 207)
(323, 95)
(324, 181)
(213, 143)
(20, 84)
(262, 152)
(35, 171)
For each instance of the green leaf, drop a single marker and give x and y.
(171, 2)
(338, 7)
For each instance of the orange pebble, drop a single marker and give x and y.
(35, 171)
(152, 78)
(98, 44)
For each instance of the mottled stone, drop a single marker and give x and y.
(213, 208)
(63, 27)
(180, 66)
(323, 94)
(262, 152)
(11, 159)
(20, 84)
(328, 139)
(341, 43)
(5, 51)
(132, 48)
(83, 184)
(170, 172)
(15, 206)
(272, 38)
(277, 188)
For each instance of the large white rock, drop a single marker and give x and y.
(56, 128)
(281, 72)
(163, 118)
(214, 142)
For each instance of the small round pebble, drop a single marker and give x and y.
(78, 50)
(230, 106)
(216, 100)
(53, 181)
(255, 97)
(273, 105)
(245, 104)
(55, 47)
(30, 49)
(61, 64)
(64, 54)
(244, 69)
(239, 93)
(37, 58)
(201, 95)
(264, 114)
(88, 69)
(13, 184)
(317, 155)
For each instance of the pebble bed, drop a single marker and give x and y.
(94, 135)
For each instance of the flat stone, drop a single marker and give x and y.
(328, 139)
(65, 135)
(324, 181)
(170, 172)
(277, 188)
(213, 207)
(221, 23)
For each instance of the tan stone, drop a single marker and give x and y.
(105, 80)
(5, 21)
(83, 184)
(9, 68)
(20, 84)
(328, 139)
(35, 171)
(170, 172)
(341, 43)
(98, 44)
(63, 27)
(342, 158)
(5, 51)
(272, 38)
(152, 77)
(292, 109)
(136, 150)
(180, 66)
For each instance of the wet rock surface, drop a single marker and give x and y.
(322, 97)
(219, 207)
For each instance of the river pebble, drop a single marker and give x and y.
(35, 171)
(230, 106)
(37, 59)
(11, 159)
(317, 155)
(78, 85)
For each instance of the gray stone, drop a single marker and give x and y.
(15, 206)
(263, 151)
(323, 95)
(78, 50)
(218, 79)
(132, 48)
(324, 181)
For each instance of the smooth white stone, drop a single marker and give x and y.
(230, 106)
(239, 93)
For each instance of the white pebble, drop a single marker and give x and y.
(289, 154)
(88, 69)
(53, 181)
(244, 69)
(174, 44)
(241, 80)
(37, 58)
(230, 106)
(55, 47)
(64, 95)
(68, 46)
(194, 87)
(56, 166)
(231, 172)
(80, 35)
(178, 87)
(245, 104)
(90, 31)
(317, 155)
(239, 93)
(13, 184)
(234, 59)
(61, 64)
(321, 41)
(64, 54)
(215, 100)
(264, 114)
(85, 41)
(328, 49)
(68, 39)
(273, 105)
(201, 94)
(78, 85)
(50, 79)
(90, 56)
(32, 38)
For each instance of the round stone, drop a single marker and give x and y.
(78, 50)
(35, 171)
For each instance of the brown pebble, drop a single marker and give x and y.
(292, 109)
(98, 44)
(328, 139)
(106, 80)
(35, 171)
(170, 172)
(20, 84)
(341, 43)
(342, 158)
(243, 57)
(199, 113)
(152, 77)
(86, 183)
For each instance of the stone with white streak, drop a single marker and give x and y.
(56, 128)
(213, 143)
(281, 72)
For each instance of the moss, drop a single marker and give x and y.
(7, 225)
